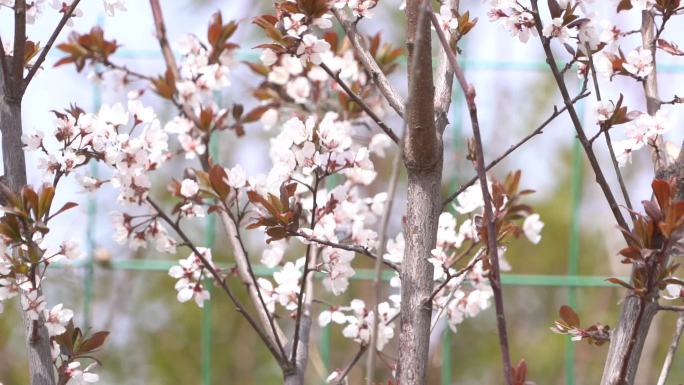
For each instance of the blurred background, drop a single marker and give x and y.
(155, 340)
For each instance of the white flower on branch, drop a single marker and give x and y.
(81, 377)
(56, 319)
(557, 30)
(312, 48)
(532, 227)
(639, 62)
(32, 303)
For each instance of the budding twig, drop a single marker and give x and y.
(494, 275)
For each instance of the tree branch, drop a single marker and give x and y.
(537, 131)
(247, 275)
(377, 270)
(344, 373)
(609, 142)
(307, 269)
(43, 54)
(160, 28)
(672, 350)
(393, 98)
(574, 117)
(127, 70)
(361, 103)
(357, 249)
(172, 66)
(444, 82)
(650, 84)
(494, 275)
(671, 308)
(221, 281)
(450, 276)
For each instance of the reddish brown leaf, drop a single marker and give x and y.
(569, 316)
(670, 47)
(620, 282)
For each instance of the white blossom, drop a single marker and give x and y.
(56, 319)
(639, 62)
(532, 227)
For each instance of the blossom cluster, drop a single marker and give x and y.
(641, 132)
(35, 8)
(189, 272)
(358, 321)
(512, 17)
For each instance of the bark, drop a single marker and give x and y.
(634, 323)
(37, 341)
(423, 206)
(628, 338)
(423, 160)
(296, 376)
(268, 324)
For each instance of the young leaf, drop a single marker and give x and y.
(569, 316)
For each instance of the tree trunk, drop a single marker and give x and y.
(37, 342)
(423, 206)
(423, 160)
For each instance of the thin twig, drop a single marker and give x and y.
(609, 142)
(43, 54)
(172, 66)
(246, 273)
(476, 257)
(671, 308)
(361, 103)
(450, 276)
(350, 365)
(358, 355)
(307, 269)
(160, 28)
(127, 70)
(393, 98)
(357, 249)
(574, 117)
(377, 271)
(494, 275)
(537, 131)
(672, 350)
